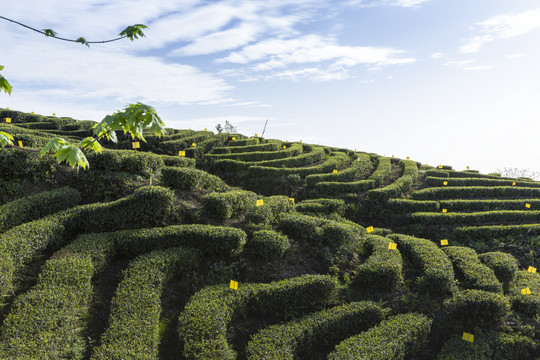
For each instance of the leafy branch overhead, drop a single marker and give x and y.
(131, 32)
(4, 84)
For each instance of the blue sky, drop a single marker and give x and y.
(442, 81)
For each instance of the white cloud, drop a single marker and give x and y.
(502, 27)
(437, 55)
(516, 56)
(479, 68)
(400, 3)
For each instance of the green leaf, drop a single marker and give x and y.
(5, 139)
(53, 145)
(4, 85)
(92, 144)
(49, 32)
(72, 155)
(133, 32)
(83, 41)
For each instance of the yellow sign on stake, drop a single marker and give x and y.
(20, 144)
(181, 153)
(291, 200)
(335, 171)
(467, 168)
(370, 229)
(392, 155)
(445, 183)
(514, 183)
(284, 146)
(136, 145)
(440, 166)
(205, 129)
(444, 242)
(260, 202)
(194, 144)
(408, 158)
(32, 113)
(8, 120)
(526, 291)
(468, 337)
(392, 246)
(256, 135)
(528, 206)
(531, 269)
(233, 285)
(234, 138)
(444, 211)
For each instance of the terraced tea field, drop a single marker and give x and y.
(198, 245)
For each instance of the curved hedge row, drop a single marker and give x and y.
(245, 142)
(269, 146)
(172, 147)
(204, 323)
(452, 218)
(398, 187)
(133, 328)
(441, 193)
(489, 232)
(504, 265)
(36, 206)
(230, 204)
(356, 169)
(331, 163)
(322, 206)
(134, 162)
(268, 244)
(404, 206)
(272, 207)
(397, 338)
(433, 181)
(471, 273)
(435, 271)
(304, 159)
(526, 303)
(189, 179)
(384, 166)
(314, 333)
(273, 153)
(148, 206)
(382, 271)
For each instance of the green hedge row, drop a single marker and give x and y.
(134, 162)
(36, 206)
(440, 193)
(318, 231)
(337, 188)
(271, 146)
(148, 206)
(433, 181)
(190, 179)
(331, 163)
(45, 322)
(404, 206)
(488, 205)
(504, 265)
(16, 165)
(476, 218)
(261, 156)
(322, 206)
(489, 232)
(133, 328)
(206, 145)
(245, 142)
(471, 273)
(268, 244)
(178, 161)
(398, 187)
(383, 169)
(490, 345)
(435, 272)
(382, 271)
(530, 303)
(229, 166)
(272, 207)
(397, 338)
(437, 173)
(357, 168)
(230, 204)
(208, 315)
(314, 333)
(172, 147)
(468, 309)
(304, 159)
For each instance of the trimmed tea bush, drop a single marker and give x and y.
(440, 193)
(189, 179)
(470, 271)
(452, 218)
(357, 168)
(432, 181)
(398, 187)
(403, 206)
(134, 162)
(323, 206)
(489, 232)
(314, 333)
(267, 213)
(528, 304)
(397, 338)
(37, 206)
(230, 204)
(503, 265)
(268, 244)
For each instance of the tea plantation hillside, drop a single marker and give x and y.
(198, 245)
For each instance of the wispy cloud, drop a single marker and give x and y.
(468, 65)
(401, 3)
(502, 27)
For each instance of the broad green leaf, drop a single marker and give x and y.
(49, 32)
(92, 144)
(133, 32)
(72, 155)
(53, 145)
(4, 85)
(5, 139)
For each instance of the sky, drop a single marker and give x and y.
(453, 82)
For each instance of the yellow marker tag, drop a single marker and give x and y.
(7, 108)
(468, 168)
(440, 166)
(291, 200)
(392, 246)
(20, 144)
(370, 229)
(468, 337)
(8, 120)
(445, 183)
(408, 158)
(234, 138)
(194, 144)
(136, 145)
(526, 291)
(392, 156)
(531, 269)
(444, 242)
(444, 211)
(32, 113)
(528, 206)
(53, 114)
(514, 183)
(284, 146)
(335, 171)
(256, 135)
(205, 129)
(233, 285)
(181, 153)
(260, 202)
(300, 141)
